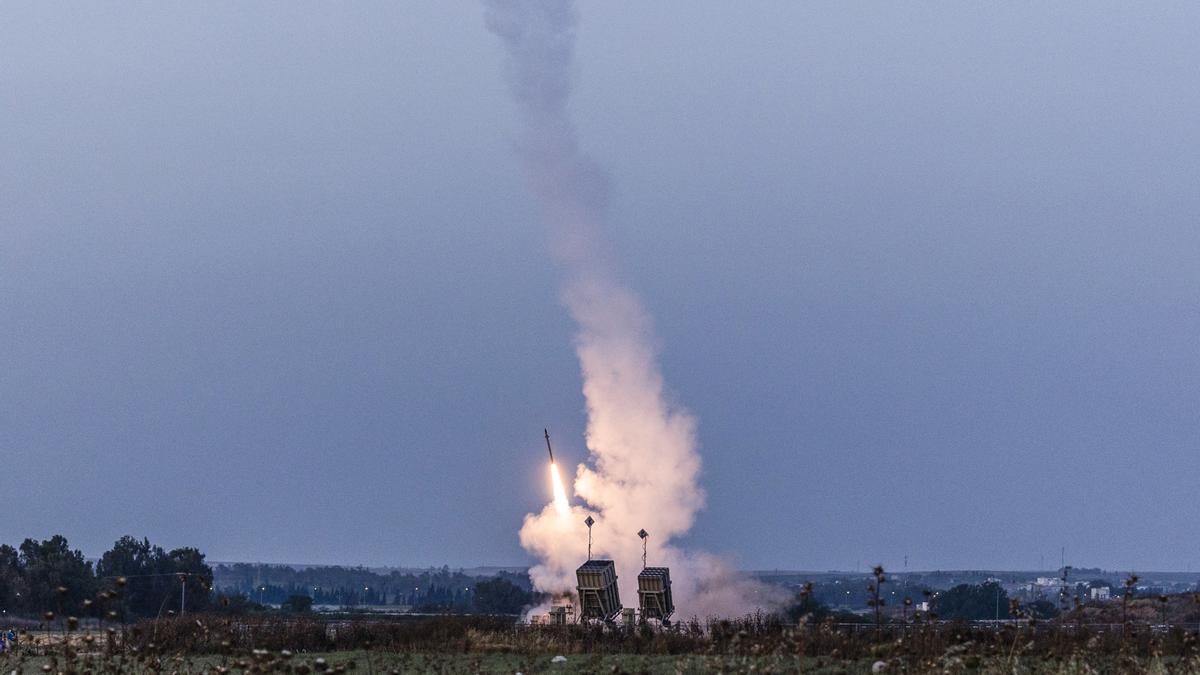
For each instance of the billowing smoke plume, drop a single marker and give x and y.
(644, 462)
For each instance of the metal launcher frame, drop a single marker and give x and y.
(654, 594)
(598, 595)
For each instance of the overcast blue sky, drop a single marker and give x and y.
(272, 284)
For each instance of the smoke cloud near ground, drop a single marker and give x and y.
(644, 465)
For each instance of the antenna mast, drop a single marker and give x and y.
(589, 522)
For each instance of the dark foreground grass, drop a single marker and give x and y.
(220, 645)
(369, 662)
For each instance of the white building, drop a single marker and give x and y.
(1046, 587)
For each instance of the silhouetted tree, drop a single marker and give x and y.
(1043, 609)
(48, 566)
(11, 579)
(297, 604)
(156, 578)
(973, 602)
(500, 596)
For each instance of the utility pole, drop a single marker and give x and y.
(182, 594)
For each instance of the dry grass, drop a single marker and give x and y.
(209, 644)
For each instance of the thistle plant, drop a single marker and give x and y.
(1126, 597)
(876, 589)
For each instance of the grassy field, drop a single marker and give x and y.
(368, 662)
(364, 662)
(462, 644)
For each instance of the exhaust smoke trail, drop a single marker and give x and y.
(644, 464)
(561, 505)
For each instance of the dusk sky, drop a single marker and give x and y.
(273, 283)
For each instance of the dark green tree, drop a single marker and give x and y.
(500, 596)
(190, 569)
(51, 565)
(137, 561)
(156, 579)
(1043, 609)
(973, 602)
(236, 604)
(12, 584)
(298, 604)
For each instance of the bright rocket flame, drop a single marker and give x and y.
(560, 492)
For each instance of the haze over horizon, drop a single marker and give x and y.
(274, 285)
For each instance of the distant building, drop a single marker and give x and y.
(1100, 593)
(1046, 588)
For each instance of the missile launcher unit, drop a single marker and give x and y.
(654, 594)
(598, 595)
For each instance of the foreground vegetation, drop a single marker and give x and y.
(450, 644)
(115, 618)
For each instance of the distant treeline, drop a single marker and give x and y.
(136, 579)
(431, 590)
(851, 591)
